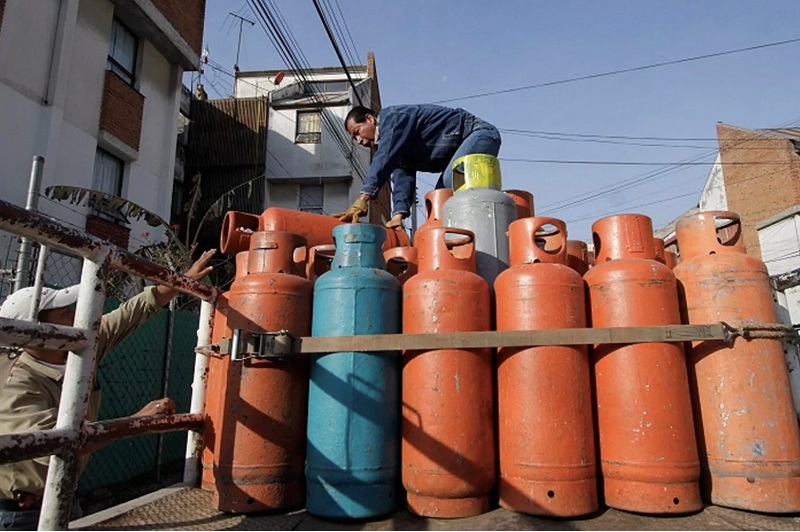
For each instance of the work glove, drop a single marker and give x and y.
(396, 224)
(354, 212)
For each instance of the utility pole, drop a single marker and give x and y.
(242, 20)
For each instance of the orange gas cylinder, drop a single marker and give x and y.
(660, 251)
(434, 202)
(670, 259)
(317, 229)
(401, 262)
(260, 444)
(749, 438)
(217, 376)
(578, 256)
(448, 457)
(648, 451)
(544, 395)
(319, 260)
(524, 202)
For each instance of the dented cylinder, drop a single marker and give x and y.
(544, 397)
(447, 424)
(648, 451)
(217, 376)
(524, 202)
(259, 446)
(744, 413)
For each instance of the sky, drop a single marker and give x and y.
(586, 148)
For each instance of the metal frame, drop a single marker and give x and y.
(65, 442)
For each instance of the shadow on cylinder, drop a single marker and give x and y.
(647, 445)
(353, 403)
(744, 412)
(578, 256)
(546, 433)
(320, 259)
(217, 376)
(524, 202)
(447, 416)
(238, 227)
(261, 438)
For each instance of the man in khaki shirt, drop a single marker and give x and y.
(31, 381)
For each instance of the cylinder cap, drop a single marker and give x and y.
(623, 236)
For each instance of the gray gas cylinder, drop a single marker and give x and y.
(487, 213)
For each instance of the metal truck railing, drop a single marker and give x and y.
(71, 432)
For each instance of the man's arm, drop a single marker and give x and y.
(397, 132)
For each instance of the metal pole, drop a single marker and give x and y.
(32, 204)
(62, 475)
(44, 251)
(191, 469)
(165, 372)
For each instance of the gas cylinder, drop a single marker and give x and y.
(217, 376)
(749, 438)
(487, 213)
(648, 451)
(670, 259)
(544, 395)
(578, 256)
(353, 427)
(524, 202)
(401, 262)
(237, 228)
(434, 203)
(259, 445)
(663, 255)
(447, 424)
(319, 261)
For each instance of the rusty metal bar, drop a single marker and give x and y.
(194, 448)
(21, 333)
(786, 280)
(28, 445)
(62, 475)
(38, 282)
(50, 232)
(116, 429)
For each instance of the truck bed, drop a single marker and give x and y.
(182, 508)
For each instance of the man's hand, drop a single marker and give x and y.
(196, 271)
(356, 210)
(165, 406)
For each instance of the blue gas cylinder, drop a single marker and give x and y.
(352, 461)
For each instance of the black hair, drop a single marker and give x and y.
(358, 114)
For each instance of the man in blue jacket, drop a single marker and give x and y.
(411, 139)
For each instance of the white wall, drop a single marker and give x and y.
(713, 197)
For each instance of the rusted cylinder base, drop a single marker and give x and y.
(757, 494)
(557, 499)
(242, 499)
(651, 498)
(447, 508)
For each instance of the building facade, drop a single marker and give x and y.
(94, 86)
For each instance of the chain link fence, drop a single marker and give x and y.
(155, 361)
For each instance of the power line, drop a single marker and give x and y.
(628, 137)
(336, 49)
(634, 163)
(621, 71)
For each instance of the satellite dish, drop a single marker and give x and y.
(278, 78)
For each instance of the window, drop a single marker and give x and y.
(107, 178)
(311, 198)
(122, 51)
(309, 127)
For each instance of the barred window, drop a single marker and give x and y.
(309, 127)
(122, 50)
(311, 197)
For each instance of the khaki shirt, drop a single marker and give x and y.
(30, 391)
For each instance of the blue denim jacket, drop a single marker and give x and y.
(416, 138)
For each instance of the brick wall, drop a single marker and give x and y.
(107, 230)
(762, 177)
(381, 205)
(187, 17)
(2, 11)
(121, 114)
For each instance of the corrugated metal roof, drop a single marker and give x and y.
(313, 101)
(227, 132)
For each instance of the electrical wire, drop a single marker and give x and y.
(621, 71)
